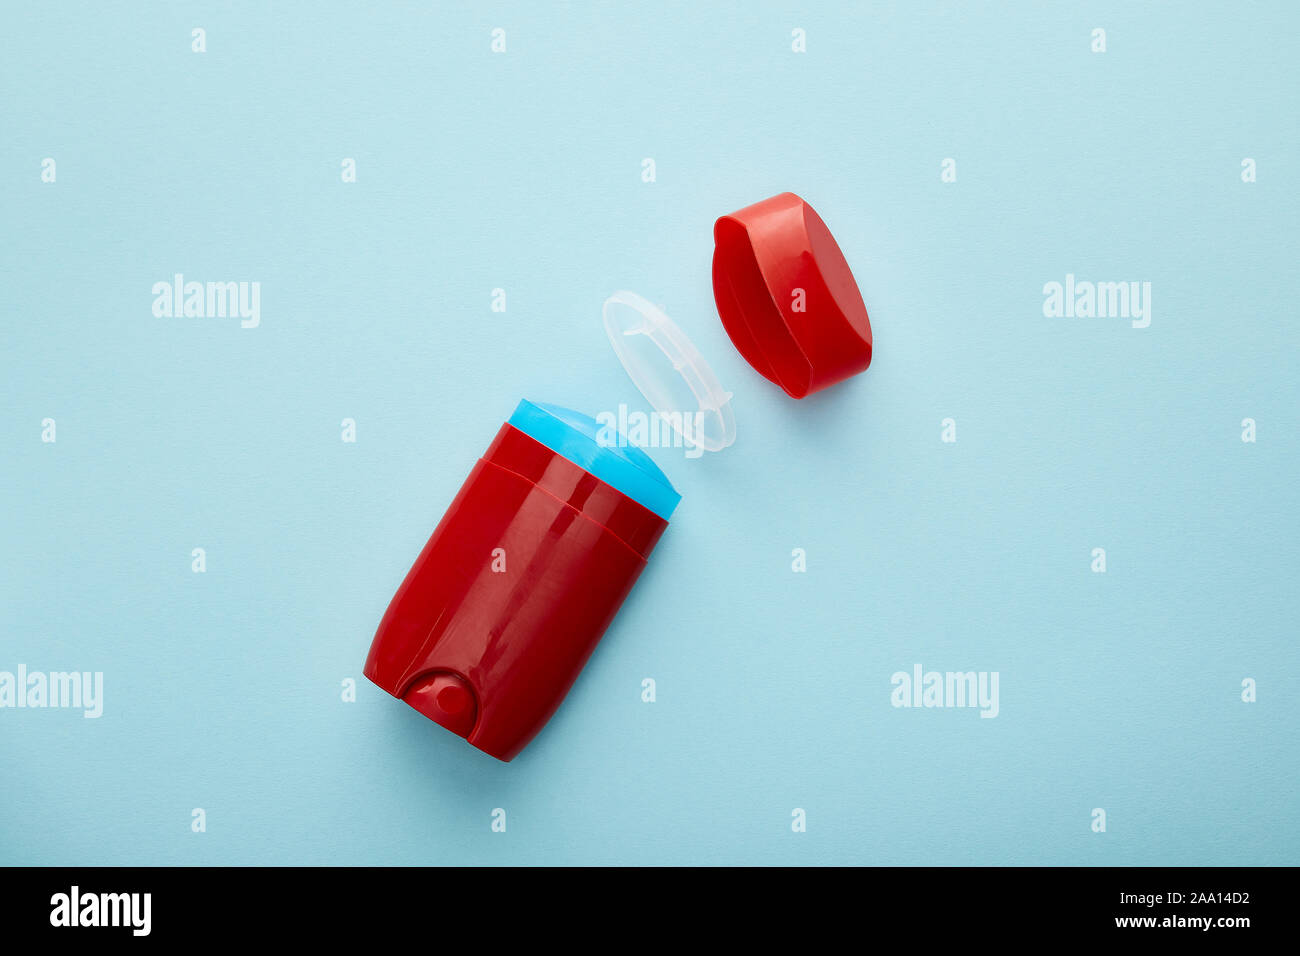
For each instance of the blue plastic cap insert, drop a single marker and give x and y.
(600, 449)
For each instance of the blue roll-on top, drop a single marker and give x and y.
(600, 449)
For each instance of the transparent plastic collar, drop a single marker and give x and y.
(669, 371)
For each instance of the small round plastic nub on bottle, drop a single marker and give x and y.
(787, 297)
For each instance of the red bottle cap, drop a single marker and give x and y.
(787, 297)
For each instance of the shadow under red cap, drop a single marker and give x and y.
(787, 297)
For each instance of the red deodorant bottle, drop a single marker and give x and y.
(521, 577)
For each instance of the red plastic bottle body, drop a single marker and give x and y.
(510, 595)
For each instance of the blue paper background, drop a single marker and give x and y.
(522, 171)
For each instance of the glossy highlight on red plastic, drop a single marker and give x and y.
(787, 297)
(511, 594)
